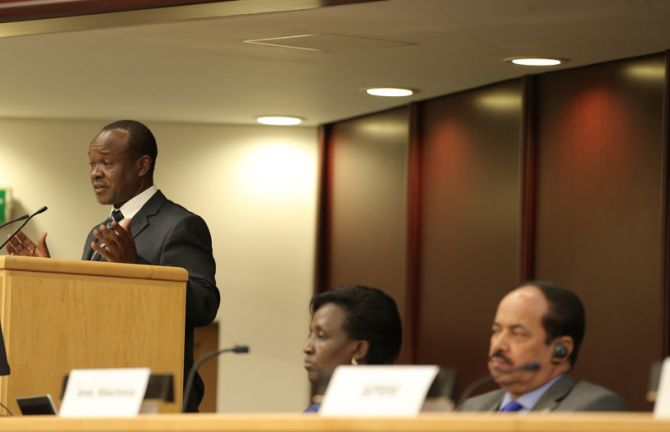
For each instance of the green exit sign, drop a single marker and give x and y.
(4, 197)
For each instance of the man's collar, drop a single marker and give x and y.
(133, 205)
(530, 399)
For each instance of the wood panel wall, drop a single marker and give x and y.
(449, 203)
(600, 211)
(364, 240)
(470, 222)
(206, 340)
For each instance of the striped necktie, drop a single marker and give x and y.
(116, 216)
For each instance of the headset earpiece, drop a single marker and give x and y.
(560, 351)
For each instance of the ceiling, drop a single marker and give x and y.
(202, 70)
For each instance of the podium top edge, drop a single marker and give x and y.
(93, 268)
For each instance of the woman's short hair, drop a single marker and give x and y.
(371, 315)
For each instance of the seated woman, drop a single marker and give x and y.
(351, 325)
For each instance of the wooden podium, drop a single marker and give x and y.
(59, 315)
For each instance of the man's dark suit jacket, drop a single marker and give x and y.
(167, 234)
(563, 395)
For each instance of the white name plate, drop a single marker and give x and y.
(377, 390)
(662, 404)
(104, 392)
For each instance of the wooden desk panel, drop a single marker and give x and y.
(455, 422)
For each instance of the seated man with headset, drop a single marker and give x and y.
(535, 338)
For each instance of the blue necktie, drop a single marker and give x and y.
(512, 406)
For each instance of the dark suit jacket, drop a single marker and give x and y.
(167, 234)
(563, 395)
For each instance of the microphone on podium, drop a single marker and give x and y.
(237, 349)
(27, 219)
(25, 216)
(490, 377)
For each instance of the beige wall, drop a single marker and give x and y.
(255, 187)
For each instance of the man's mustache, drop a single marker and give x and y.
(500, 355)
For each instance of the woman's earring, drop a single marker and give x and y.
(354, 361)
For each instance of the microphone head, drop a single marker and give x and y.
(241, 349)
(41, 210)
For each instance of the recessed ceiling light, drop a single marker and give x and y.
(537, 61)
(390, 91)
(279, 120)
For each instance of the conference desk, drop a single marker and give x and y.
(453, 422)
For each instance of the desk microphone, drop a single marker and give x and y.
(27, 219)
(490, 377)
(237, 349)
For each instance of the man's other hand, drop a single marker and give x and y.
(23, 246)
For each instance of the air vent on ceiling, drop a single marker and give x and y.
(327, 42)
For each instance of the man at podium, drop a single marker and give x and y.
(144, 227)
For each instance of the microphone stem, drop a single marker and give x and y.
(15, 232)
(194, 369)
(475, 384)
(27, 219)
(13, 221)
(528, 367)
